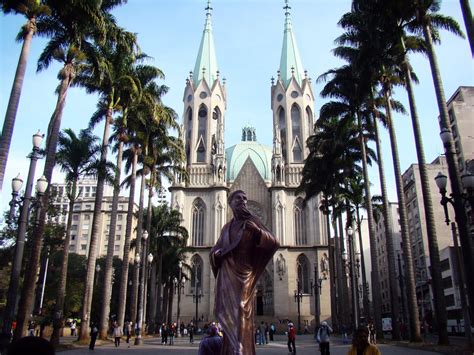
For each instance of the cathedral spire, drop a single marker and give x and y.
(206, 62)
(290, 62)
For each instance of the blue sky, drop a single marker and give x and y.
(248, 38)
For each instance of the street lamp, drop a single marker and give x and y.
(196, 297)
(298, 300)
(179, 284)
(141, 293)
(17, 183)
(42, 185)
(455, 199)
(317, 286)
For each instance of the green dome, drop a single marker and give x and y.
(260, 155)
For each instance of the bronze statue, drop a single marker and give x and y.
(238, 260)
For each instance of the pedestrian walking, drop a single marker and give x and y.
(171, 333)
(94, 333)
(164, 334)
(361, 345)
(117, 333)
(291, 338)
(322, 337)
(272, 331)
(128, 332)
(267, 331)
(73, 328)
(261, 333)
(372, 332)
(191, 332)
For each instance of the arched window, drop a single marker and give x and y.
(198, 214)
(202, 130)
(299, 223)
(196, 272)
(189, 115)
(296, 130)
(302, 265)
(282, 126)
(280, 223)
(309, 120)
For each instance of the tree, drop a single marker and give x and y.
(34, 11)
(73, 27)
(77, 157)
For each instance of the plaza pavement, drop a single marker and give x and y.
(305, 345)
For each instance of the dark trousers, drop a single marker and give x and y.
(324, 348)
(117, 341)
(291, 346)
(92, 343)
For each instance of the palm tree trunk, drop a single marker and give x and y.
(460, 212)
(152, 301)
(164, 310)
(406, 238)
(365, 301)
(337, 258)
(467, 15)
(170, 302)
(58, 316)
(13, 102)
(136, 284)
(376, 297)
(332, 267)
(394, 303)
(93, 242)
(29, 282)
(345, 290)
(159, 288)
(126, 249)
(107, 290)
(147, 319)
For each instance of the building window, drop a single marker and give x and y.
(198, 212)
(445, 265)
(202, 134)
(75, 217)
(87, 217)
(299, 221)
(116, 247)
(449, 300)
(118, 237)
(84, 236)
(196, 274)
(282, 126)
(88, 207)
(447, 282)
(119, 217)
(297, 134)
(83, 246)
(73, 237)
(119, 227)
(302, 265)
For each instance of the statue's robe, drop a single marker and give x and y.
(242, 262)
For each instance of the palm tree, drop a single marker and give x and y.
(104, 76)
(77, 157)
(34, 11)
(73, 27)
(425, 18)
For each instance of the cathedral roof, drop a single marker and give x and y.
(290, 62)
(237, 155)
(206, 62)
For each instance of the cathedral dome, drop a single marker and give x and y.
(238, 154)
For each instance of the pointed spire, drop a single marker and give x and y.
(290, 62)
(206, 62)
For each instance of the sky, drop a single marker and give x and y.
(248, 38)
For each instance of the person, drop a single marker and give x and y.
(323, 338)
(261, 334)
(272, 331)
(73, 328)
(361, 345)
(31, 328)
(164, 334)
(171, 331)
(181, 328)
(291, 338)
(238, 260)
(128, 332)
(371, 330)
(94, 333)
(212, 343)
(31, 345)
(117, 333)
(345, 338)
(191, 332)
(267, 330)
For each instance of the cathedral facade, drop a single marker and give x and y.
(296, 282)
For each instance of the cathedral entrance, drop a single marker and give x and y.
(264, 295)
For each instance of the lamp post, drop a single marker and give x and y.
(196, 298)
(298, 300)
(139, 260)
(317, 286)
(456, 199)
(97, 270)
(145, 303)
(365, 295)
(41, 186)
(17, 183)
(179, 284)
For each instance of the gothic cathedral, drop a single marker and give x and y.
(268, 175)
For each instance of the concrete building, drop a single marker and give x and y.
(382, 257)
(269, 176)
(82, 215)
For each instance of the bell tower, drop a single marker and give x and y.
(292, 103)
(204, 111)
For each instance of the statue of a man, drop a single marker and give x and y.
(238, 259)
